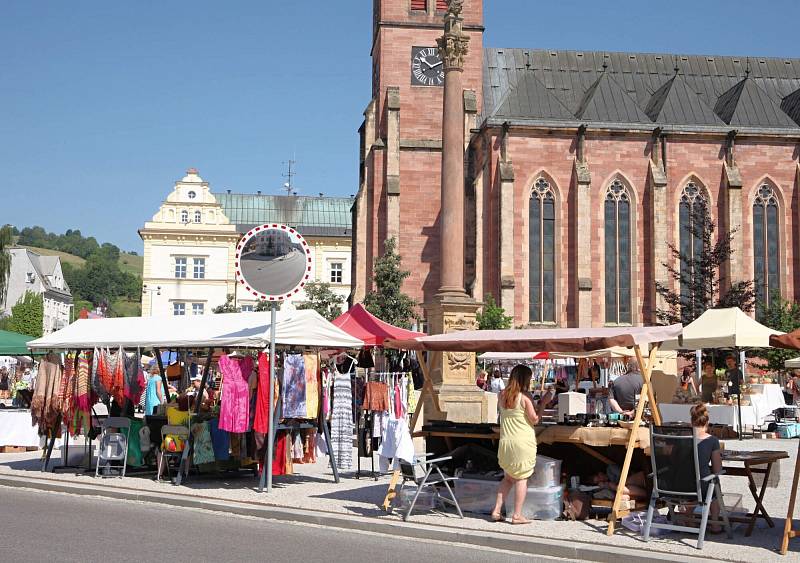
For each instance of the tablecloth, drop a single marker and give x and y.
(772, 394)
(717, 414)
(16, 429)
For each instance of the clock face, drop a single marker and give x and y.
(426, 67)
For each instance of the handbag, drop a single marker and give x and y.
(577, 505)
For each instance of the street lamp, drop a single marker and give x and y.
(151, 290)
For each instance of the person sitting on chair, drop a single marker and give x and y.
(709, 457)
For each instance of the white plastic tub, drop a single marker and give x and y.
(541, 503)
(546, 473)
(476, 495)
(425, 501)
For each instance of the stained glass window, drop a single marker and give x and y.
(541, 267)
(766, 251)
(617, 214)
(691, 217)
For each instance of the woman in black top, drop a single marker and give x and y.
(709, 457)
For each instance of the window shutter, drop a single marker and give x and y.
(419, 5)
(441, 5)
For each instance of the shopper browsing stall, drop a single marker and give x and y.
(497, 384)
(625, 390)
(517, 450)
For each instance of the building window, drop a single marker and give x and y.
(180, 267)
(199, 272)
(184, 216)
(198, 217)
(178, 309)
(691, 218)
(198, 308)
(441, 5)
(336, 272)
(247, 308)
(766, 253)
(419, 5)
(192, 194)
(541, 239)
(617, 210)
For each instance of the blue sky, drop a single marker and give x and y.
(103, 105)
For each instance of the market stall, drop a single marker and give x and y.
(734, 330)
(565, 341)
(372, 379)
(234, 334)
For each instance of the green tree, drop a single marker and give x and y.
(387, 301)
(784, 315)
(493, 316)
(699, 275)
(27, 316)
(323, 300)
(228, 307)
(6, 240)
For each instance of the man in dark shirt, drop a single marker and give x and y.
(624, 392)
(733, 374)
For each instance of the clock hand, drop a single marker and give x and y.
(434, 65)
(422, 60)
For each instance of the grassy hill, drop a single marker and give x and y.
(127, 263)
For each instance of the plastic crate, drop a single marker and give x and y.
(787, 430)
(546, 473)
(425, 501)
(541, 503)
(476, 495)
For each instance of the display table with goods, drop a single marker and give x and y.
(718, 414)
(16, 429)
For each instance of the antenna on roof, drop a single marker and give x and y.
(288, 185)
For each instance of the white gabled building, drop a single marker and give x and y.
(43, 276)
(190, 245)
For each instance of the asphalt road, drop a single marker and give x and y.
(274, 276)
(41, 526)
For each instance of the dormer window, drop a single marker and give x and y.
(29, 277)
(184, 216)
(198, 217)
(192, 194)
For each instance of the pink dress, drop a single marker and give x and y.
(234, 410)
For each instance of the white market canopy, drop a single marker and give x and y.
(723, 328)
(243, 330)
(794, 363)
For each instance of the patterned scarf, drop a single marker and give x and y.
(45, 405)
(83, 395)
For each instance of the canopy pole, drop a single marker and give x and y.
(646, 394)
(698, 372)
(197, 402)
(740, 378)
(273, 314)
(163, 373)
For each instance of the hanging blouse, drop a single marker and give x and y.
(234, 412)
(311, 362)
(294, 387)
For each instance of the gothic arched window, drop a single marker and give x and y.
(541, 266)
(691, 216)
(617, 212)
(765, 244)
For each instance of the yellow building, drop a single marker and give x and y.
(190, 243)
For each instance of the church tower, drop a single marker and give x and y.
(401, 144)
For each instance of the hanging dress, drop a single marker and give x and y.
(294, 387)
(342, 421)
(516, 453)
(234, 412)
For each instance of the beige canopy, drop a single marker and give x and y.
(794, 363)
(542, 340)
(722, 328)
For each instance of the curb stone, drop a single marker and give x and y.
(493, 540)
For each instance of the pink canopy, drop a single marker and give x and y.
(362, 324)
(532, 339)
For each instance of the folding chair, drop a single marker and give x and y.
(113, 445)
(677, 481)
(164, 456)
(419, 473)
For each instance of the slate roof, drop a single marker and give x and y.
(641, 89)
(312, 216)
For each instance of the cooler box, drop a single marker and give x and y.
(547, 472)
(476, 495)
(541, 503)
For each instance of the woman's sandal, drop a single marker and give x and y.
(520, 521)
(496, 517)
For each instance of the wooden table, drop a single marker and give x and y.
(752, 462)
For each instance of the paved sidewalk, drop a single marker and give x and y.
(312, 496)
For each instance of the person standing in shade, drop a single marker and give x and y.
(733, 375)
(516, 453)
(708, 382)
(497, 384)
(154, 392)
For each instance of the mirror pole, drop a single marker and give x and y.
(271, 432)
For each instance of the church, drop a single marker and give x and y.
(580, 169)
